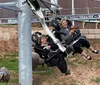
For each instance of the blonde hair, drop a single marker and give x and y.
(60, 23)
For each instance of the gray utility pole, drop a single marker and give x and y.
(24, 44)
(24, 40)
(73, 10)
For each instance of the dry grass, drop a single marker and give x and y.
(83, 72)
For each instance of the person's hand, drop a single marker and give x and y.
(74, 28)
(47, 47)
(71, 31)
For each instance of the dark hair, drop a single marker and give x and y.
(43, 36)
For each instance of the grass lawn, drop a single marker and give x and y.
(11, 63)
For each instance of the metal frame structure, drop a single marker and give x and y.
(24, 44)
(24, 36)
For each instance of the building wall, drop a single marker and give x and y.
(4, 13)
(81, 6)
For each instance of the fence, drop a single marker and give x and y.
(91, 21)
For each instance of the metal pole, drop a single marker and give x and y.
(24, 44)
(55, 2)
(73, 10)
(88, 7)
(54, 7)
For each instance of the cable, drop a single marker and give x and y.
(46, 5)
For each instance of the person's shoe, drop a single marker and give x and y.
(95, 51)
(89, 57)
(67, 72)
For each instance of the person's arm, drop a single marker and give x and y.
(53, 46)
(71, 32)
(65, 37)
(73, 29)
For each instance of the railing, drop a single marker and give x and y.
(8, 21)
(77, 17)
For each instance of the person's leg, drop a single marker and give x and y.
(55, 62)
(86, 56)
(79, 50)
(64, 64)
(61, 66)
(85, 43)
(93, 50)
